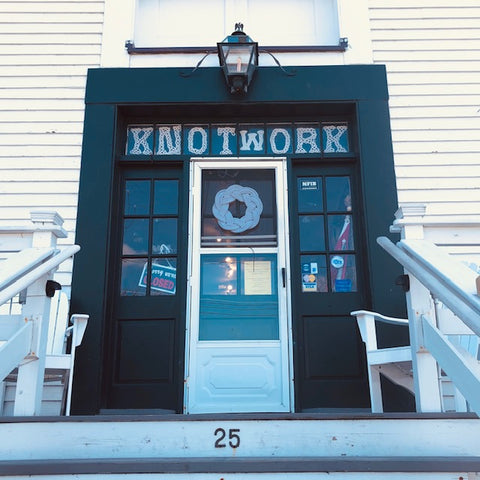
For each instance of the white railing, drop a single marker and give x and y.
(23, 341)
(28, 266)
(443, 307)
(436, 277)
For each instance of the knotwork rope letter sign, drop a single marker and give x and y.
(246, 195)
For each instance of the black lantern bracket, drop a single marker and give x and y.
(238, 56)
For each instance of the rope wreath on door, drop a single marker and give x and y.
(246, 195)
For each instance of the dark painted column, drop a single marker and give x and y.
(90, 265)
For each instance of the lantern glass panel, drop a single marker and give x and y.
(237, 58)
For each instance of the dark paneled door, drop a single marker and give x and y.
(145, 340)
(328, 282)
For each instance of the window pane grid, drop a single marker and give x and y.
(150, 224)
(327, 250)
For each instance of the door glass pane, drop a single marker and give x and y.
(314, 273)
(135, 236)
(343, 273)
(164, 235)
(339, 195)
(133, 281)
(310, 195)
(238, 297)
(312, 233)
(238, 208)
(137, 197)
(340, 232)
(163, 276)
(165, 196)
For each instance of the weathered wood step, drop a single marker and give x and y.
(239, 437)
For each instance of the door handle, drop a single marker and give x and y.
(284, 273)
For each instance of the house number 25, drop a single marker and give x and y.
(233, 438)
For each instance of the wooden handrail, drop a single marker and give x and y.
(21, 263)
(40, 268)
(448, 290)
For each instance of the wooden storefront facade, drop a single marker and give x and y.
(226, 239)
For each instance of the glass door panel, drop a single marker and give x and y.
(238, 297)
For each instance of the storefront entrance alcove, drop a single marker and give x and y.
(225, 243)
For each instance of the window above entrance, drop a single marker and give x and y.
(187, 23)
(238, 139)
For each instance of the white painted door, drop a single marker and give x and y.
(238, 338)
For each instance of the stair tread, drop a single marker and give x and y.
(242, 465)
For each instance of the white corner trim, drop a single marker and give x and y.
(354, 24)
(118, 27)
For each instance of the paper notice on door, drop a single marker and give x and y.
(257, 276)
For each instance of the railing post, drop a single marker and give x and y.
(29, 388)
(47, 228)
(409, 223)
(425, 368)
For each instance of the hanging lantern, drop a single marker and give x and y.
(238, 55)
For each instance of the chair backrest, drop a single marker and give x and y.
(58, 324)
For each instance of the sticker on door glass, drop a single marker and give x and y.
(314, 275)
(163, 278)
(343, 273)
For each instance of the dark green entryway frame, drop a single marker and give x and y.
(358, 89)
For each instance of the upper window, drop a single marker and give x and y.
(194, 23)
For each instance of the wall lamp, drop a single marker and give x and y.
(238, 56)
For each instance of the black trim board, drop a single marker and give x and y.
(345, 83)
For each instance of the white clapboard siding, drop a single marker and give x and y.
(431, 49)
(46, 48)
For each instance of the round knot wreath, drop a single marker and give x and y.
(246, 195)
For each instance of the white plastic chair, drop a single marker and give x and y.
(57, 360)
(396, 362)
(393, 362)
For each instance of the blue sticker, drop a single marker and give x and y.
(344, 285)
(307, 184)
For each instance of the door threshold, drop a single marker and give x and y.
(136, 411)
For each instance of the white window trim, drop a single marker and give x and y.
(354, 24)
